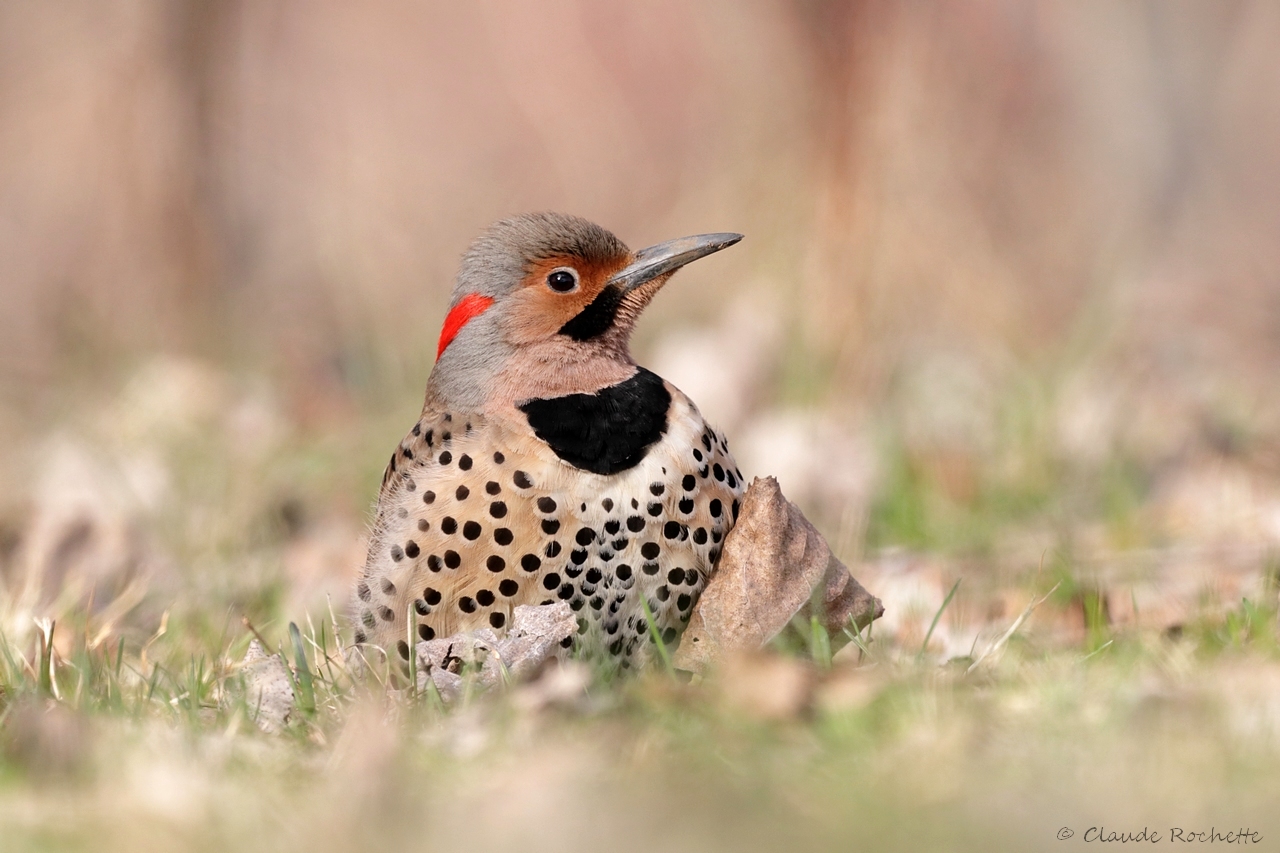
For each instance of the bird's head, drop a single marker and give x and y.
(544, 306)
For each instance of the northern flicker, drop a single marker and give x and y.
(547, 465)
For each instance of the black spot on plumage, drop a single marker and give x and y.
(684, 602)
(566, 592)
(417, 429)
(715, 536)
(429, 437)
(623, 571)
(445, 456)
(423, 524)
(706, 442)
(607, 503)
(718, 471)
(650, 550)
(362, 590)
(551, 581)
(497, 619)
(583, 507)
(471, 530)
(388, 588)
(467, 604)
(403, 649)
(587, 589)
(734, 510)
(552, 550)
(697, 454)
(655, 509)
(428, 497)
(585, 536)
(492, 488)
(597, 603)
(713, 555)
(689, 483)
(615, 648)
(675, 576)
(686, 505)
(397, 553)
(426, 632)
(663, 593)
(669, 636)
(360, 637)
(521, 480)
(464, 462)
(700, 536)
(567, 642)
(611, 627)
(503, 536)
(484, 597)
(495, 563)
(572, 570)
(606, 556)
(704, 471)
(498, 509)
(612, 526)
(593, 575)
(550, 526)
(530, 562)
(729, 478)
(578, 557)
(411, 549)
(433, 563)
(715, 507)
(452, 560)
(448, 525)
(508, 587)
(576, 605)
(462, 493)
(690, 577)
(605, 432)
(498, 458)
(410, 484)
(431, 595)
(366, 618)
(635, 523)
(386, 614)
(656, 489)
(671, 529)
(407, 453)
(620, 543)
(546, 504)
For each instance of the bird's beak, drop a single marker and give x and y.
(668, 257)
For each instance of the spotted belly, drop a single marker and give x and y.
(476, 519)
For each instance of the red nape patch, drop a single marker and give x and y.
(471, 306)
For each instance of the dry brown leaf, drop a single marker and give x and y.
(775, 566)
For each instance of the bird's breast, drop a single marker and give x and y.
(605, 432)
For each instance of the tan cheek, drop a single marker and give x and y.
(536, 313)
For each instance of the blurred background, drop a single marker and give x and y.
(1010, 293)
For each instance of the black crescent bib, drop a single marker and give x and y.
(605, 432)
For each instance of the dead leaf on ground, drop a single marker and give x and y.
(775, 566)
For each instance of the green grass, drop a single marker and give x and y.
(108, 748)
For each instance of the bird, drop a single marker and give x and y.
(546, 464)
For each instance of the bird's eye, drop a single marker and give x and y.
(562, 280)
